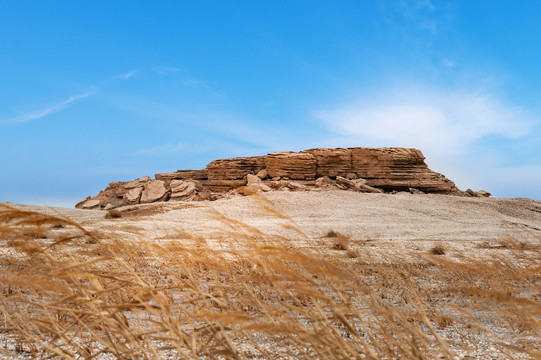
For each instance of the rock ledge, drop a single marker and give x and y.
(352, 169)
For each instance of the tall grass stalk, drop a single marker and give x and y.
(74, 294)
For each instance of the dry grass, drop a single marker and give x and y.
(438, 250)
(113, 214)
(75, 294)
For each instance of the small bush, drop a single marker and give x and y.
(438, 250)
(113, 214)
(332, 233)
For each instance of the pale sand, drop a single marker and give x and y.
(386, 221)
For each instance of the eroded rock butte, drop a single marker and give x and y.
(352, 169)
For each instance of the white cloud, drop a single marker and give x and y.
(48, 110)
(447, 126)
(126, 76)
(161, 149)
(440, 121)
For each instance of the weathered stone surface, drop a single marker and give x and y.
(262, 174)
(324, 181)
(154, 190)
(223, 185)
(398, 169)
(295, 166)
(483, 193)
(183, 175)
(91, 204)
(355, 169)
(137, 183)
(331, 162)
(235, 169)
(133, 196)
(254, 184)
(183, 190)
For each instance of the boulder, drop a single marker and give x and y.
(483, 193)
(183, 190)
(252, 179)
(153, 191)
(359, 185)
(323, 181)
(262, 174)
(133, 196)
(137, 183)
(91, 204)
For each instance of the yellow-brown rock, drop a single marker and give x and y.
(235, 169)
(354, 169)
(291, 165)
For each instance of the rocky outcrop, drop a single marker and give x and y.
(295, 166)
(354, 169)
(235, 169)
(153, 191)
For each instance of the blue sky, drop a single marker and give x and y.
(99, 91)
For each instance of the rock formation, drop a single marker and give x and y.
(353, 169)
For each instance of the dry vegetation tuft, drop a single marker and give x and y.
(438, 250)
(76, 294)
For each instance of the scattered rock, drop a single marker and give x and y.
(356, 169)
(133, 196)
(137, 183)
(483, 193)
(252, 179)
(183, 190)
(91, 204)
(262, 174)
(416, 191)
(324, 181)
(109, 206)
(154, 190)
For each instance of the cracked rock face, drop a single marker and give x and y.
(153, 191)
(353, 169)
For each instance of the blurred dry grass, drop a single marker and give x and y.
(69, 293)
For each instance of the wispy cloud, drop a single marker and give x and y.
(458, 130)
(48, 110)
(166, 70)
(439, 120)
(161, 149)
(126, 76)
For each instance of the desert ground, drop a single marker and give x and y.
(393, 222)
(457, 276)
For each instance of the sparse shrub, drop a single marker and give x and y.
(339, 240)
(438, 250)
(332, 233)
(352, 254)
(113, 214)
(175, 299)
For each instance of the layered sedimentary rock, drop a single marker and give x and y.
(353, 169)
(291, 165)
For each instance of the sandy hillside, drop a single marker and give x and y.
(385, 221)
